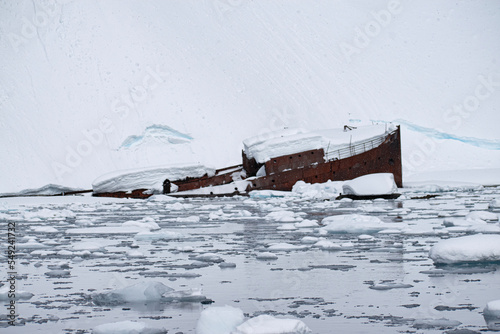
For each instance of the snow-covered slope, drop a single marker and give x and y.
(89, 87)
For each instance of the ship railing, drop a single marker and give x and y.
(352, 150)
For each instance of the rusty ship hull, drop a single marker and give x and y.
(381, 155)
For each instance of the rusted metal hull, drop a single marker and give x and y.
(137, 193)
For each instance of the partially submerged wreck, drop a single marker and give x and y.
(273, 161)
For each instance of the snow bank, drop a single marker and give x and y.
(145, 292)
(491, 314)
(472, 248)
(371, 184)
(219, 320)
(147, 178)
(127, 327)
(353, 223)
(266, 324)
(289, 141)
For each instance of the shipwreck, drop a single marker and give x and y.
(272, 161)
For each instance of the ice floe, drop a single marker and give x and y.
(219, 320)
(441, 323)
(371, 184)
(266, 324)
(5, 295)
(354, 223)
(127, 327)
(472, 248)
(146, 292)
(491, 314)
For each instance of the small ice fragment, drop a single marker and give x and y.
(6, 295)
(267, 256)
(327, 245)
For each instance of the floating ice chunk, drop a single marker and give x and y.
(31, 243)
(283, 246)
(282, 216)
(224, 265)
(219, 320)
(366, 238)
(266, 324)
(19, 294)
(390, 285)
(495, 203)
(267, 256)
(371, 184)
(190, 219)
(209, 257)
(327, 190)
(287, 227)
(472, 248)
(435, 323)
(307, 223)
(354, 223)
(327, 245)
(44, 229)
(146, 223)
(146, 292)
(261, 194)
(139, 292)
(127, 327)
(309, 240)
(491, 314)
(177, 206)
(482, 215)
(159, 235)
(58, 273)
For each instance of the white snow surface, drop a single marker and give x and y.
(266, 324)
(472, 248)
(371, 184)
(70, 107)
(150, 178)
